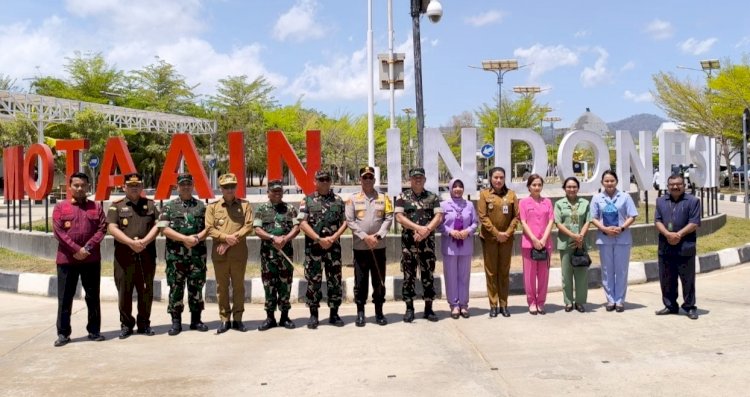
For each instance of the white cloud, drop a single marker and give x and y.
(581, 34)
(491, 16)
(299, 24)
(629, 65)
(543, 59)
(344, 77)
(643, 97)
(660, 30)
(598, 74)
(744, 42)
(695, 47)
(27, 51)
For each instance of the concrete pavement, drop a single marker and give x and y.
(592, 354)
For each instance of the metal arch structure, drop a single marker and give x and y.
(48, 109)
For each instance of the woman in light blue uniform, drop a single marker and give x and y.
(612, 212)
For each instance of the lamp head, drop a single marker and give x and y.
(434, 11)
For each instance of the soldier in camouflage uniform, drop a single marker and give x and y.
(182, 222)
(323, 222)
(277, 225)
(419, 213)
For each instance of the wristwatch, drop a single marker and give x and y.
(377, 236)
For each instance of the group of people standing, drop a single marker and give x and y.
(135, 221)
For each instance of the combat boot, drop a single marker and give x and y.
(334, 317)
(379, 317)
(428, 313)
(196, 323)
(312, 323)
(409, 315)
(176, 324)
(285, 321)
(360, 321)
(269, 323)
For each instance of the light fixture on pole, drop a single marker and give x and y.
(409, 112)
(710, 64)
(527, 89)
(499, 67)
(434, 11)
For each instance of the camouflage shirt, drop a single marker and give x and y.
(324, 212)
(275, 219)
(185, 217)
(418, 208)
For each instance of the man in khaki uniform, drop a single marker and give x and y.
(499, 214)
(132, 222)
(229, 221)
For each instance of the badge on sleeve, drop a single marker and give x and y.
(505, 209)
(221, 222)
(67, 225)
(490, 206)
(125, 222)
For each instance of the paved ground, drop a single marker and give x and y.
(596, 354)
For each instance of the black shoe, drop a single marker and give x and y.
(493, 312)
(286, 322)
(504, 311)
(176, 324)
(568, 308)
(580, 308)
(465, 313)
(610, 307)
(125, 332)
(692, 314)
(360, 321)
(334, 318)
(409, 315)
(542, 312)
(62, 340)
(619, 308)
(196, 323)
(224, 327)
(428, 313)
(96, 337)
(146, 331)
(237, 325)
(269, 323)
(380, 319)
(665, 311)
(312, 323)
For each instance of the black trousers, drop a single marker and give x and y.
(135, 271)
(67, 283)
(672, 267)
(369, 263)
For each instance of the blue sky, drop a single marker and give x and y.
(582, 53)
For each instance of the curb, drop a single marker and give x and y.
(638, 273)
(734, 198)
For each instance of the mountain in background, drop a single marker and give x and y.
(638, 122)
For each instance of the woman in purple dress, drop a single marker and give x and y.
(459, 224)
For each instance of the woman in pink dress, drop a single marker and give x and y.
(537, 217)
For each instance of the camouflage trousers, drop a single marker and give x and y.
(190, 271)
(316, 260)
(418, 256)
(276, 274)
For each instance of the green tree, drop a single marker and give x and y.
(90, 79)
(7, 83)
(159, 87)
(18, 131)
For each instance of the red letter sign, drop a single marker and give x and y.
(279, 149)
(236, 143)
(182, 146)
(73, 148)
(116, 156)
(45, 174)
(13, 172)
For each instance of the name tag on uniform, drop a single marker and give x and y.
(505, 209)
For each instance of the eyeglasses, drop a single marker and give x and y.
(367, 177)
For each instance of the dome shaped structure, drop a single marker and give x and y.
(590, 122)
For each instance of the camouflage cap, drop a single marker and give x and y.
(276, 184)
(133, 178)
(184, 178)
(227, 179)
(322, 174)
(366, 170)
(416, 172)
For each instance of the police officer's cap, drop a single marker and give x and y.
(133, 178)
(367, 170)
(416, 172)
(227, 180)
(184, 178)
(275, 184)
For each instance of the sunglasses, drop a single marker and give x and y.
(324, 179)
(368, 176)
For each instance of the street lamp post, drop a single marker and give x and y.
(435, 12)
(552, 121)
(409, 112)
(527, 89)
(499, 67)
